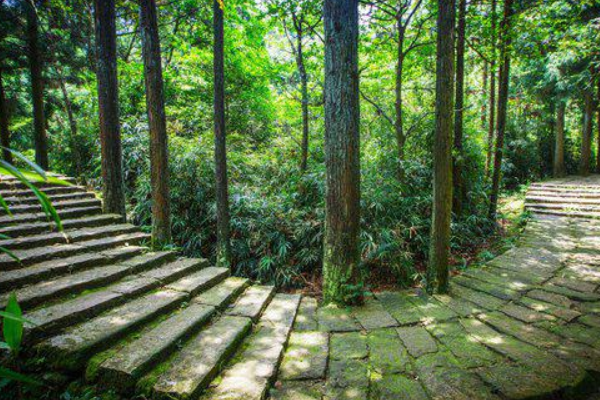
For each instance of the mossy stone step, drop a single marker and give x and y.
(199, 281)
(58, 205)
(32, 199)
(122, 371)
(306, 356)
(220, 295)
(252, 302)
(200, 360)
(34, 228)
(5, 193)
(76, 212)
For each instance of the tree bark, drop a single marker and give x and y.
(113, 195)
(223, 239)
(37, 87)
(399, 121)
(492, 98)
(442, 152)
(598, 124)
(4, 118)
(559, 146)
(459, 190)
(72, 126)
(342, 142)
(504, 82)
(304, 90)
(586, 137)
(155, 104)
(484, 92)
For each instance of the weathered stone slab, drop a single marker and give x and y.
(149, 260)
(417, 340)
(372, 315)
(201, 358)
(221, 294)
(306, 320)
(577, 333)
(123, 369)
(589, 307)
(491, 289)
(388, 387)
(590, 320)
(348, 380)
(175, 270)
(306, 356)
(496, 276)
(548, 297)
(252, 302)
(281, 311)
(332, 318)
(298, 390)
(525, 314)
(565, 314)
(527, 333)
(348, 345)
(432, 310)
(574, 284)
(460, 306)
(387, 354)
(398, 304)
(483, 300)
(134, 285)
(572, 294)
(198, 281)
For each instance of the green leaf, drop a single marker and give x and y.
(26, 160)
(4, 205)
(15, 376)
(9, 253)
(5, 314)
(12, 328)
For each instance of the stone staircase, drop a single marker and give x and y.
(566, 197)
(133, 320)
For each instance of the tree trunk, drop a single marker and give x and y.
(559, 146)
(113, 196)
(504, 82)
(492, 106)
(72, 126)
(459, 190)
(399, 122)
(4, 132)
(484, 92)
(442, 151)
(598, 123)
(586, 137)
(342, 141)
(155, 105)
(304, 90)
(37, 87)
(223, 240)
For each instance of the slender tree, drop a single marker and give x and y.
(598, 122)
(4, 131)
(492, 96)
(559, 146)
(342, 141)
(223, 241)
(504, 82)
(439, 252)
(37, 86)
(72, 124)
(113, 195)
(586, 137)
(155, 105)
(459, 187)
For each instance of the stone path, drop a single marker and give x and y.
(524, 326)
(131, 320)
(570, 196)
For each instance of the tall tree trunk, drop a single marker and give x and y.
(223, 240)
(113, 195)
(442, 152)
(399, 121)
(586, 137)
(504, 82)
(559, 146)
(304, 90)
(484, 92)
(342, 142)
(155, 105)
(598, 124)
(459, 189)
(72, 126)
(4, 132)
(37, 87)
(492, 106)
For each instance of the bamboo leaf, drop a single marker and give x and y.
(33, 165)
(12, 328)
(17, 377)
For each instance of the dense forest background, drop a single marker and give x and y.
(274, 63)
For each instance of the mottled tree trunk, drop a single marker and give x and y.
(113, 196)
(586, 137)
(342, 141)
(459, 189)
(598, 124)
(484, 97)
(4, 132)
(223, 240)
(72, 126)
(304, 93)
(37, 87)
(155, 105)
(504, 82)
(559, 146)
(492, 98)
(442, 152)
(399, 121)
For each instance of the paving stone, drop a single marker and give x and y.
(348, 345)
(175, 270)
(589, 307)
(252, 302)
(582, 272)
(565, 314)
(306, 320)
(480, 286)
(460, 306)
(399, 306)
(387, 354)
(577, 332)
(574, 284)
(348, 380)
(70, 349)
(572, 294)
(200, 359)
(298, 390)
(525, 314)
(519, 278)
(306, 356)
(582, 355)
(200, 280)
(483, 300)
(548, 297)
(527, 333)
(417, 340)
(123, 369)
(332, 318)
(372, 315)
(590, 320)
(281, 311)
(499, 277)
(432, 310)
(221, 294)
(389, 387)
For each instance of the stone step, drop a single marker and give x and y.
(69, 236)
(47, 191)
(15, 184)
(30, 296)
(34, 228)
(59, 205)
(562, 200)
(29, 275)
(31, 199)
(563, 194)
(561, 213)
(71, 349)
(249, 376)
(564, 206)
(56, 317)
(201, 359)
(39, 254)
(252, 302)
(39, 217)
(222, 294)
